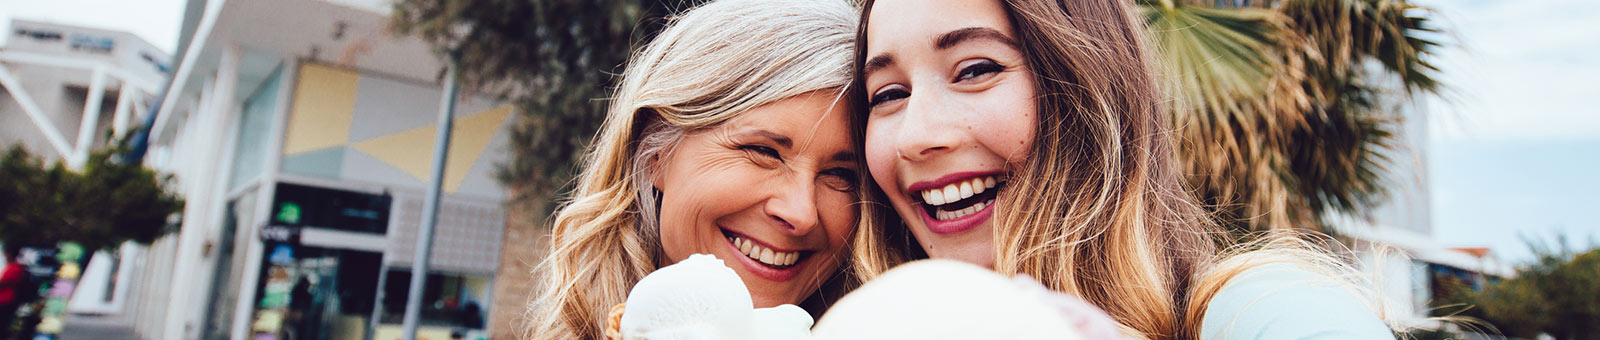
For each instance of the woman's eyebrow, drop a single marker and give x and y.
(774, 136)
(943, 42)
(844, 157)
(951, 38)
(876, 63)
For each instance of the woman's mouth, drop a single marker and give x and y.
(763, 254)
(960, 205)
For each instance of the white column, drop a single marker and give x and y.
(203, 200)
(90, 120)
(122, 114)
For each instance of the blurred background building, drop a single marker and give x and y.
(1396, 244)
(61, 88)
(64, 86)
(300, 133)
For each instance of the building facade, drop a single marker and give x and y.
(62, 87)
(300, 132)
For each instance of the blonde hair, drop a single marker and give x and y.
(710, 64)
(1099, 208)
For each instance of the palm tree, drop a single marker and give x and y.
(1284, 111)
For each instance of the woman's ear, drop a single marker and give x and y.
(647, 123)
(655, 168)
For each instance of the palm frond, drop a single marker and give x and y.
(1279, 117)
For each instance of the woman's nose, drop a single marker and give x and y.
(793, 205)
(926, 127)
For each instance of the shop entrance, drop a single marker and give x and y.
(314, 293)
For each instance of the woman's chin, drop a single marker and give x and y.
(772, 300)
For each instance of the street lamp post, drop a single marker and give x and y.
(430, 205)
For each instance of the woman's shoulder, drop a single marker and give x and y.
(1289, 301)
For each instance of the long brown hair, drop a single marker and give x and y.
(1098, 209)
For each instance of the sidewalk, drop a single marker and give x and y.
(95, 327)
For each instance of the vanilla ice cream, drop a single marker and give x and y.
(701, 298)
(943, 299)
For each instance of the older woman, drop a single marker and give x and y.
(730, 136)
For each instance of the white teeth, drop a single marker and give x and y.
(958, 191)
(928, 196)
(950, 215)
(765, 255)
(951, 193)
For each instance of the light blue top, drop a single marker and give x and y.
(1282, 301)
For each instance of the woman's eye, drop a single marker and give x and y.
(979, 69)
(840, 179)
(886, 95)
(764, 151)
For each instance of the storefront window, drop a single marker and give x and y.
(316, 294)
(453, 305)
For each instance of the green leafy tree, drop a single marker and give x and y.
(1557, 294)
(555, 58)
(107, 203)
(1283, 121)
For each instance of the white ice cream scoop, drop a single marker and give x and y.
(943, 299)
(701, 298)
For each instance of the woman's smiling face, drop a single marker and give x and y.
(771, 192)
(951, 114)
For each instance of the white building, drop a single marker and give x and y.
(300, 132)
(61, 88)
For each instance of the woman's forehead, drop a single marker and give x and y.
(919, 23)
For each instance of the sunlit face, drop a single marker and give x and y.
(770, 192)
(952, 113)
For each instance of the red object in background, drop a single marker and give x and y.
(11, 280)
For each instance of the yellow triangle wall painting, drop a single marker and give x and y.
(324, 98)
(412, 150)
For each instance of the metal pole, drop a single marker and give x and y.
(377, 300)
(430, 205)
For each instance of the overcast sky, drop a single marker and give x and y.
(1513, 151)
(1516, 149)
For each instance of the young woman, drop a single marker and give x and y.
(730, 136)
(1031, 137)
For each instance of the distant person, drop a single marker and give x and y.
(13, 289)
(472, 315)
